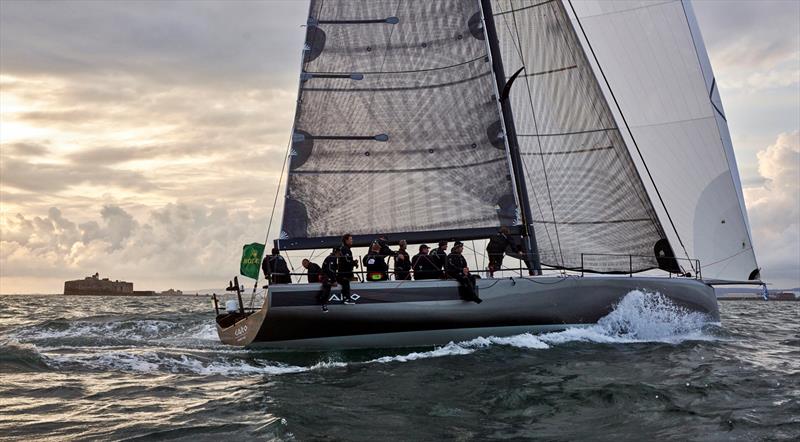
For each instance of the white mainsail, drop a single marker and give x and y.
(655, 74)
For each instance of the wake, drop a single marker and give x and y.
(640, 317)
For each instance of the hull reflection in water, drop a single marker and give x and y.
(419, 313)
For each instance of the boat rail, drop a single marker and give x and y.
(694, 263)
(585, 257)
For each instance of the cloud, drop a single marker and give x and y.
(774, 210)
(25, 150)
(46, 177)
(750, 44)
(189, 245)
(215, 43)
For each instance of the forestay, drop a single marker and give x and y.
(657, 73)
(397, 127)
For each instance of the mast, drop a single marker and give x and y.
(528, 233)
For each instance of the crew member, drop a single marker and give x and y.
(276, 269)
(346, 265)
(402, 262)
(377, 269)
(312, 269)
(327, 277)
(384, 243)
(439, 257)
(423, 265)
(457, 269)
(496, 249)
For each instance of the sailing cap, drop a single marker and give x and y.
(458, 244)
(424, 246)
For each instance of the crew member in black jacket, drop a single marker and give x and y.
(457, 269)
(275, 268)
(377, 269)
(327, 277)
(439, 257)
(423, 265)
(496, 249)
(312, 269)
(402, 262)
(346, 265)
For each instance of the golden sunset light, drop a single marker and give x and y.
(168, 133)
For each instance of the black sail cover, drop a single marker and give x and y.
(397, 129)
(587, 199)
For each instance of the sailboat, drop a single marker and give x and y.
(592, 130)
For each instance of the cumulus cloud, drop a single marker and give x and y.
(774, 210)
(188, 245)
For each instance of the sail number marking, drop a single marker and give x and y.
(240, 331)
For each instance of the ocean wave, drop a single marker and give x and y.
(104, 331)
(17, 356)
(638, 318)
(157, 362)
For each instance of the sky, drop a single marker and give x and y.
(144, 140)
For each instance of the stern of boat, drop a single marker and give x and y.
(239, 326)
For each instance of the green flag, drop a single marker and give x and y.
(251, 260)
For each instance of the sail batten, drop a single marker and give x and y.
(586, 194)
(610, 128)
(399, 126)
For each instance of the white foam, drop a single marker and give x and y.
(639, 317)
(142, 329)
(450, 349)
(152, 362)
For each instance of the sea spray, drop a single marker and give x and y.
(161, 345)
(639, 317)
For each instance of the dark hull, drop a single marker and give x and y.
(410, 313)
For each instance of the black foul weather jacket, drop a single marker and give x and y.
(424, 267)
(346, 263)
(455, 265)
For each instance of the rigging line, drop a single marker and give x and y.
(291, 266)
(475, 253)
(525, 171)
(594, 106)
(512, 10)
(636, 145)
(539, 141)
(285, 161)
(725, 259)
(275, 201)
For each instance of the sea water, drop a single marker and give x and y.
(153, 368)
